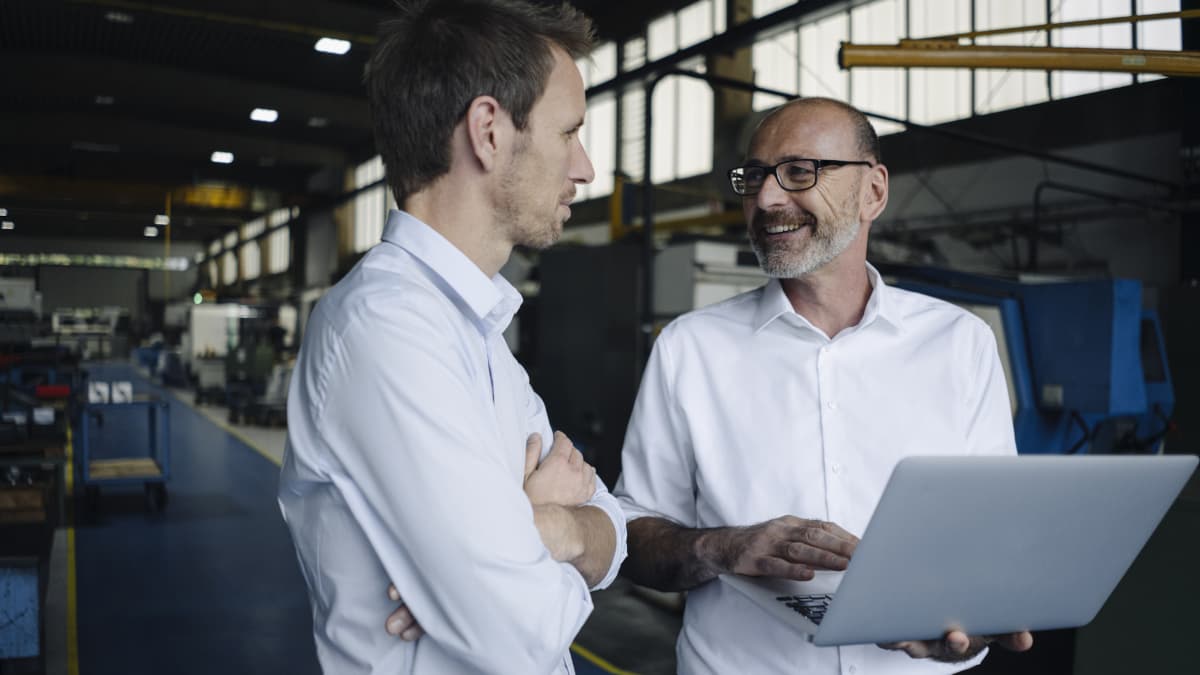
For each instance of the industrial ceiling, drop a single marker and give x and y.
(109, 106)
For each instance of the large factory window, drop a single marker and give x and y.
(880, 90)
(682, 133)
(250, 252)
(370, 206)
(997, 90)
(279, 250)
(1111, 36)
(938, 95)
(229, 268)
(599, 133)
(776, 66)
(820, 74)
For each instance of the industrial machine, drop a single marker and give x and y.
(1085, 363)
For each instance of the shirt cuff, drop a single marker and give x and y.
(604, 501)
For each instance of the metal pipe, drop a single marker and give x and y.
(944, 54)
(648, 219)
(1035, 226)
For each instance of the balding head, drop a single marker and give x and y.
(856, 124)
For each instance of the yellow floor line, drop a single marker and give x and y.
(595, 660)
(72, 617)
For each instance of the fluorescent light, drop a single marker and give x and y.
(119, 17)
(3, 212)
(264, 115)
(161, 219)
(150, 231)
(101, 99)
(8, 225)
(332, 45)
(222, 157)
(317, 122)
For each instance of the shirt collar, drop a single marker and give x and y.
(491, 303)
(773, 303)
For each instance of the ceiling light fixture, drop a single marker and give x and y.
(101, 99)
(318, 122)
(222, 157)
(264, 115)
(330, 45)
(150, 231)
(8, 225)
(162, 219)
(119, 17)
(3, 212)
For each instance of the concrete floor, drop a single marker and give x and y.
(189, 590)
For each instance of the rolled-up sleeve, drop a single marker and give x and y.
(657, 461)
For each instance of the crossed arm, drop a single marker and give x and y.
(557, 487)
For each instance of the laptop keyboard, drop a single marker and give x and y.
(811, 606)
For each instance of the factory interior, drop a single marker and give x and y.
(181, 181)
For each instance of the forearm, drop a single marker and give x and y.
(582, 536)
(668, 557)
(599, 543)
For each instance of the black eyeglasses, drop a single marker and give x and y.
(793, 175)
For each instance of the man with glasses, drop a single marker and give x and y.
(767, 425)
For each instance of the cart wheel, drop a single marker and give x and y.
(156, 497)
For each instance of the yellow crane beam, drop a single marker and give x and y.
(950, 54)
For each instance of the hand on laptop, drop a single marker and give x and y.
(958, 646)
(402, 623)
(787, 547)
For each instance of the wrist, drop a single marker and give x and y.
(706, 551)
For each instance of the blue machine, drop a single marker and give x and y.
(1085, 363)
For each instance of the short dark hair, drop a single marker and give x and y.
(864, 134)
(438, 55)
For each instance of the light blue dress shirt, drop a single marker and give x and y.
(407, 421)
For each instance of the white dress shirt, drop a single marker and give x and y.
(748, 412)
(407, 421)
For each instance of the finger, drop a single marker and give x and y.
(400, 621)
(533, 452)
(576, 457)
(819, 538)
(1018, 642)
(562, 445)
(957, 642)
(837, 531)
(393, 594)
(412, 633)
(770, 566)
(813, 556)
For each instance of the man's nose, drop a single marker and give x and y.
(581, 170)
(772, 194)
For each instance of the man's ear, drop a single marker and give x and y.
(488, 127)
(875, 193)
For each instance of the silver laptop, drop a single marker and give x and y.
(986, 545)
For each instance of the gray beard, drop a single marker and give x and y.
(824, 244)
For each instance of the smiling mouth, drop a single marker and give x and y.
(784, 228)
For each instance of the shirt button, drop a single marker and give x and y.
(837, 468)
(852, 670)
(824, 350)
(832, 405)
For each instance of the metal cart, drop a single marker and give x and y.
(152, 470)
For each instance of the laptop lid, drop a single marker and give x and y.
(984, 544)
(994, 545)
